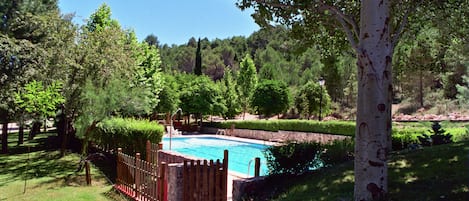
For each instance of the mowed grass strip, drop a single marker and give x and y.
(48, 176)
(433, 173)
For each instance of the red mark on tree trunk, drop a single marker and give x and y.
(381, 107)
(376, 192)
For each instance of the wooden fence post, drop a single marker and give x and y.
(148, 152)
(225, 175)
(119, 168)
(88, 173)
(257, 167)
(162, 193)
(160, 146)
(137, 175)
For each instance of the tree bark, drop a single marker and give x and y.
(21, 133)
(5, 138)
(374, 53)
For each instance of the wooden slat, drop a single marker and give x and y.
(211, 184)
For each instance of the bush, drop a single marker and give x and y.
(437, 136)
(402, 138)
(129, 134)
(293, 158)
(338, 151)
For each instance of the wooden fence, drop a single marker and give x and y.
(148, 180)
(205, 180)
(139, 179)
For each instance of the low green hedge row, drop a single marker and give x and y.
(402, 137)
(126, 133)
(403, 134)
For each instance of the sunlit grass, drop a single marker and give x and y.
(34, 172)
(433, 173)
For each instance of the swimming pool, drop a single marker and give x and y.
(240, 153)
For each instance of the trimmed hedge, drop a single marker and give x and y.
(126, 133)
(329, 127)
(403, 134)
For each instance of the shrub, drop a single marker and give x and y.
(293, 158)
(437, 136)
(338, 151)
(128, 134)
(402, 138)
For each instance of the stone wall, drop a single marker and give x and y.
(175, 181)
(172, 157)
(246, 186)
(282, 136)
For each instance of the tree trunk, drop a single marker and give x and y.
(21, 133)
(5, 138)
(421, 87)
(373, 130)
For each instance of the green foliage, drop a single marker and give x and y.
(246, 81)
(337, 152)
(437, 136)
(20, 61)
(169, 96)
(199, 95)
(293, 158)
(101, 19)
(126, 133)
(230, 96)
(38, 100)
(271, 97)
(308, 100)
(104, 100)
(198, 60)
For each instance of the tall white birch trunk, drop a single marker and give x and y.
(373, 131)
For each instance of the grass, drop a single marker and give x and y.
(47, 175)
(433, 173)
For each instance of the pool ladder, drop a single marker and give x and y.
(257, 166)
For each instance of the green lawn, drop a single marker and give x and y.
(436, 173)
(48, 177)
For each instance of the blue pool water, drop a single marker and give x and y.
(239, 153)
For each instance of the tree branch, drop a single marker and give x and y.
(348, 23)
(345, 18)
(405, 19)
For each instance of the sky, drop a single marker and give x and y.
(172, 21)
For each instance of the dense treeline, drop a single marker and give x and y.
(430, 66)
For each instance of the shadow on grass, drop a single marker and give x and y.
(436, 173)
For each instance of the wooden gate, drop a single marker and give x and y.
(139, 179)
(205, 181)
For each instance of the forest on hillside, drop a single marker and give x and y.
(430, 66)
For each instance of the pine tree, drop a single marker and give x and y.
(198, 60)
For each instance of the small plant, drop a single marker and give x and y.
(437, 136)
(293, 158)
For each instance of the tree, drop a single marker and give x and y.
(271, 97)
(230, 96)
(169, 96)
(373, 41)
(152, 40)
(198, 60)
(308, 100)
(246, 81)
(19, 61)
(39, 101)
(115, 75)
(199, 95)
